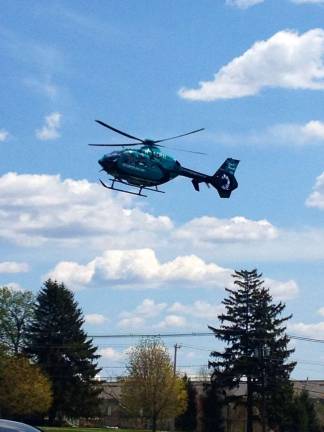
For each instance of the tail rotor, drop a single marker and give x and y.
(223, 180)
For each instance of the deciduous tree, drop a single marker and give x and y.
(151, 388)
(16, 313)
(24, 389)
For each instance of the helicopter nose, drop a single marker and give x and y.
(102, 162)
(106, 162)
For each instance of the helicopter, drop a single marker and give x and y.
(147, 167)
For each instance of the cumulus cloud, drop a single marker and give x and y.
(148, 314)
(141, 269)
(307, 1)
(172, 321)
(316, 198)
(72, 274)
(13, 267)
(50, 130)
(243, 4)
(285, 60)
(282, 290)
(307, 330)
(292, 134)
(211, 229)
(147, 309)
(36, 209)
(133, 322)
(14, 286)
(110, 353)
(3, 135)
(95, 319)
(199, 309)
(137, 318)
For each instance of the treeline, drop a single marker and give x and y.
(48, 364)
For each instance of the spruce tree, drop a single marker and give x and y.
(62, 349)
(256, 350)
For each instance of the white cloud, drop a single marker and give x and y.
(36, 209)
(316, 198)
(95, 319)
(286, 60)
(292, 134)
(172, 321)
(110, 353)
(133, 322)
(14, 286)
(141, 269)
(243, 4)
(211, 229)
(74, 275)
(199, 309)
(308, 330)
(148, 309)
(13, 267)
(3, 135)
(282, 290)
(307, 1)
(321, 311)
(145, 315)
(50, 130)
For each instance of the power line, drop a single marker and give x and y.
(193, 334)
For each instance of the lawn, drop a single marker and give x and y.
(76, 429)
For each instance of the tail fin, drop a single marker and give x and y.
(223, 179)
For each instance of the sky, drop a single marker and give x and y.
(251, 72)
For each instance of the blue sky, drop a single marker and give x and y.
(250, 72)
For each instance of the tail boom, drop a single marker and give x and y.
(223, 180)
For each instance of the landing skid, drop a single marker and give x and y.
(139, 192)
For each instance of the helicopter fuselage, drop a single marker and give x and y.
(147, 166)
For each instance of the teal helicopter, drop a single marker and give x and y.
(147, 167)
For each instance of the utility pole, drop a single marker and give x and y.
(249, 394)
(263, 352)
(176, 347)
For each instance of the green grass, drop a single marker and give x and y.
(76, 429)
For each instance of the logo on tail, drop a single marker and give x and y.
(223, 180)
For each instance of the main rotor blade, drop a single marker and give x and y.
(115, 145)
(178, 136)
(185, 151)
(118, 131)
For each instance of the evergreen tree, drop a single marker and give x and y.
(187, 421)
(62, 349)
(303, 414)
(212, 409)
(256, 348)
